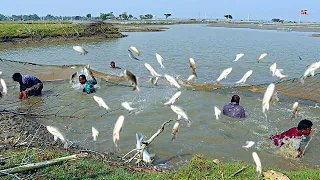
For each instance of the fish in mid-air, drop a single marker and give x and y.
(131, 55)
(151, 70)
(80, 49)
(127, 106)
(4, 87)
(294, 110)
(262, 56)
(160, 60)
(238, 56)
(145, 154)
(278, 74)
(173, 98)
(181, 114)
(95, 133)
(192, 76)
(131, 77)
(310, 70)
(117, 130)
(134, 49)
(224, 74)
(249, 144)
(175, 130)
(257, 161)
(245, 77)
(273, 68)
(101, 102)
(73, 76)
(57, 134)
(172, 81)
(193, 66)
(217, 112)
(300, 58)
(267, 98)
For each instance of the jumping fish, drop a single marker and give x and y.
(267, 98)
(4, 87)
(249, 144)
(224, 74)
(310, 70)
(300, 58)
(160, 60)
(192, 76)
(95, 133)
(294, 110)
(127, 106)
(245, 77)
(172, 81)
(278, 73)
(151, 70)
(175, 130)
(153, 80)
(263, 55)
(134, 49)
(273, 68)
(80, 49)
(117, 130)
(145, 155)
(257, 161)
(56, 134)
(180, 113)
(131, 77)
(173, 98)
(101, 102)
(193, 66)
(217, 112)
(238, 56)
(131, 55)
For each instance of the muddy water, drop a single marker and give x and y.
(213, 49)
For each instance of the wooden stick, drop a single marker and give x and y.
(237, 172)
(304, 150)
(29, 167)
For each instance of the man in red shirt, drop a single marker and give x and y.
(304, 128)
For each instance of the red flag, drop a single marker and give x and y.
(304, 11)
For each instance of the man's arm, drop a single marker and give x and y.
(93, 78)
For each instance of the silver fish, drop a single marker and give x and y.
(127, 106)
(245, 77)
(131, 55)
(145, 155)
(57, 134)
(4, 87)
(257, 161)
(134, 49)
(278, 73)
(172, 81)
(117, 130)
(180, 113)
(173, 98)
(273, 68)
(101, 102)
(238, 56)
(263, 55)
(80, 49)
(267, 98)
(95, 133)
(193, 66)
(294, 110)
(175, 129)
(224, 74)
(131, 77)
(160, 60)
(192, 76)
(249, 144)
(310, 70)
(151, 70)
(217, 112)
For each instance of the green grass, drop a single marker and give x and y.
(95, 167)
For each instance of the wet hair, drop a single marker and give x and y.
(83, 76)
(235, 98)
(304, 124)
(112, 62)
(16, 76)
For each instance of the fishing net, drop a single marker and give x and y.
(310, 90)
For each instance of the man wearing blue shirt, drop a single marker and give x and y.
(29, 85)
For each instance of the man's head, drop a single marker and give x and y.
(235, 98)
(112, 64)
(82, 79)
(305, 126)
(17, 77)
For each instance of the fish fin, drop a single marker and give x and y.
(312, 73)
(194, 73)
(55, 138)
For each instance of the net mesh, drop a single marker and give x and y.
(310, 90)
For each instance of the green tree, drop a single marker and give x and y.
(103, 16)
(142, 17)
(124, 16)
(2, 17)
(228, 16)
(148, 16)
(89, 16)
(130, 16)
(167, 15)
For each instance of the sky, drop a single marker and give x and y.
(289, 10)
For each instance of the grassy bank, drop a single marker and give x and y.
(98, 167)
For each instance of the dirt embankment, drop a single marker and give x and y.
(70, 32)
(139, 28)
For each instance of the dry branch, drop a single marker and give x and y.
(32, 166)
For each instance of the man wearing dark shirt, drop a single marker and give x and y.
(233, 109)
(29, 85)
(113, 65)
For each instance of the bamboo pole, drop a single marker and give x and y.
(29, 167)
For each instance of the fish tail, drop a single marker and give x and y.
(173, 139)
(136, 87)
(94, 138)
(194, 73)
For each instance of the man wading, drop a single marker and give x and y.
(233, 109)
(29, 85)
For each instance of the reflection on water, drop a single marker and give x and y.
(214, 50)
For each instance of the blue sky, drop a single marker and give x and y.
(257, 9)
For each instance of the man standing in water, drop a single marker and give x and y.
(29, 85)
(88, 85)
(113, 65)
(233, 109)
